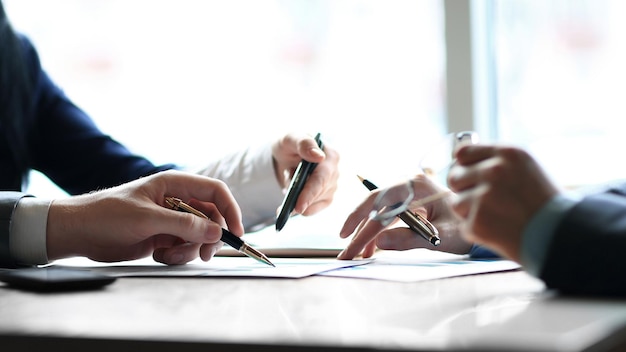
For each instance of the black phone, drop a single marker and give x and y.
(50, 279)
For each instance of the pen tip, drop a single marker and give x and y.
(360, 178)
(256, 254)
(265, 260)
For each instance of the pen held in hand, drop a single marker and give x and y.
(303, 171)
(415, 221)
(227, 237)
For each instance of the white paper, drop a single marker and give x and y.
(420, 265)
(217, 266)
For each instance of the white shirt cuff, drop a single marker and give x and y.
(27, 241)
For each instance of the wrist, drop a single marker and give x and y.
(62, 235)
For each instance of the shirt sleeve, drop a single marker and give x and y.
(28, 231)
(480, 252)
(251, 178)
(539, 232)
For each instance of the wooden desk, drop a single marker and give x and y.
(500, 311)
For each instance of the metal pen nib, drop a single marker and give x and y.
(253, 253)
(227, 236)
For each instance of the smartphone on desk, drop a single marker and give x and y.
(52, 279)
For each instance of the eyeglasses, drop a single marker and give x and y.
(439, 158)
(399, 200)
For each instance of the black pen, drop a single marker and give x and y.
(296, 185)
(415, 221)
(227, 236)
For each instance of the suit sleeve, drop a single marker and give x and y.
(586, 255)
(68, 147)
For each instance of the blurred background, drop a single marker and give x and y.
(379, 79)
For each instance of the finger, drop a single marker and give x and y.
(315, 197)
(210, 210)
(468, 154)
(320, 186)
(165, 241)
(207, 190)
(189, 227)
(294, 148)
(309, 150)
(207, 251)
(358, 215)
(462, 178)
(177, 255)
(361, 239)
(463, 204)
(369, 249)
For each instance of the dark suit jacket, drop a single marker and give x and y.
(66, 145)
(588, 253)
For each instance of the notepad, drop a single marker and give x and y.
(302, 237)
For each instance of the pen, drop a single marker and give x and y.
(227, 236)
(303, 171)
(415, 221)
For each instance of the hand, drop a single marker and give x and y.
(499, 189)
(132, 221)
(371, 234)
(321, 185)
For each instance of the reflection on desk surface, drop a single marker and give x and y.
(502, 311)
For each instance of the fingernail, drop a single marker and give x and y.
(317, 151)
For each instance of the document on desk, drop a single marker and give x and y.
(217, 266)
(420, 265)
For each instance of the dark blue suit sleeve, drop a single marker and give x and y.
(586, 255)
(67, 146)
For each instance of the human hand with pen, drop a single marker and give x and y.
(369, 233)
(132, 221)
(318, 191)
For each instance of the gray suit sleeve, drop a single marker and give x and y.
(8, 202)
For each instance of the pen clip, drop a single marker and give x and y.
(431, 228)
(178, 204)
(172, 202)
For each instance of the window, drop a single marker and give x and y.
(560, 76)
(218, 75)
(369, 75)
